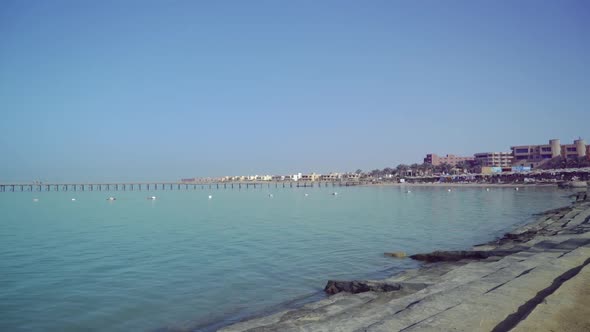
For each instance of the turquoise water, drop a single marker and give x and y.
(186, 261)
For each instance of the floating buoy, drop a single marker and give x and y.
(111, 198)
(408, 191)
(306, 194)
(73, 199)
(449, 190)
(516, 188)
(487, 189)
(210, 196)
(334, 194)
(153, 198)
(35, 199)
(270, 195)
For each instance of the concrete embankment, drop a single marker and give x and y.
(536, 278)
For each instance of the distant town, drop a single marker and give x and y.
(521, 159)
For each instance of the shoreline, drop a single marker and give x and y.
(458, 185)
(367, 304)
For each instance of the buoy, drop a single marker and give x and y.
(516, 188)
(408, 191)
(111, 198)
(270, 195)
(449, 190)
(306, 194)
(35, 199)
(153, 198)
(73, 199)
(210, 196)
(487, 189)
(334, 193)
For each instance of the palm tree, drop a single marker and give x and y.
(428, 168)
(387, 171)
(402, 169)
(375, 173)
(445, 168)
(414, 167)
(463, 165)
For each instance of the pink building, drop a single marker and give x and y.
(450, 159)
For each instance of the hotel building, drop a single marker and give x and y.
(450, 159)
(536, 155)
(494, 159)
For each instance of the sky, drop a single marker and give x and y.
(162, 90)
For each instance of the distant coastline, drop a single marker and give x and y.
(453, 184)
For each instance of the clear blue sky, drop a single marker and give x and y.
(134, 90)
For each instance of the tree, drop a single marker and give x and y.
(427, 169)
(463, 165)
(475, 166)
(402, 169)
(444, 168)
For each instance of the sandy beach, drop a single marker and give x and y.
(535, 278)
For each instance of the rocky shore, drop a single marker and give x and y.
(535, 278)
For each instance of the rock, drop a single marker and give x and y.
(453, 256)
(359, 286)
(581, 196)
(573, 184)
(396, 254)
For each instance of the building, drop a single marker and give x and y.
(450, 159)
(494, 159)
(293, 177)
(535, 155)
(310, 177)
(351, 177)
(330, 177)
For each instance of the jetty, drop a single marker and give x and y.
(153, 186)
(535, 278)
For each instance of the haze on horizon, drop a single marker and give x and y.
(159, 90)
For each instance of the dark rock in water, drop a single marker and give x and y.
(359, 286)
(519, 237)
(453, 256)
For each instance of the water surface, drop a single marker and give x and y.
(186, 261)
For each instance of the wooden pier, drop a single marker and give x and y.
(159, 186)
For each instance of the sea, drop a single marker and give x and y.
(197, 260)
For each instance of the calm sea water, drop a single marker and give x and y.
(186, 261)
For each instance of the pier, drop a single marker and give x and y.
(159, 186)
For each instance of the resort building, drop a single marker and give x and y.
(310, 177)
(351, 177)
(293, 177)
(450, 159)
(494, 159)
(535, 155)
(331, 177)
